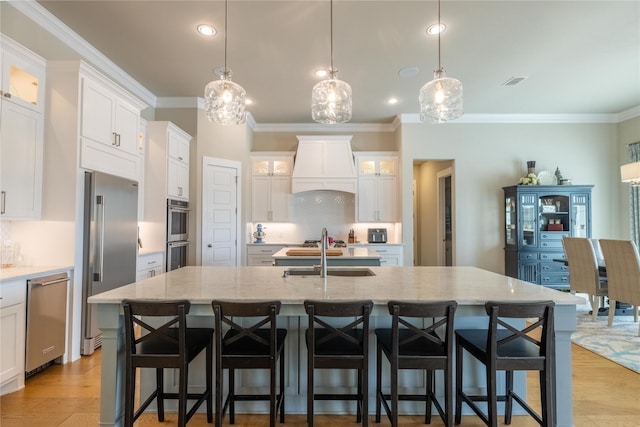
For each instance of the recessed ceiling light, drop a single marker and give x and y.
(392, 100)
(435, 29)
(320, 73)
(207, 30)
(408, 71)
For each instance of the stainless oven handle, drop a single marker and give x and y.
(178, 244)
(178, 209)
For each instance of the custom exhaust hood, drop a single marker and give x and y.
(324, 163)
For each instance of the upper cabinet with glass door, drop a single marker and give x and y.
(23, 76)
(270, 163)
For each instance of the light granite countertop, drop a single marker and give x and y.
(466, 285)
(16, 273)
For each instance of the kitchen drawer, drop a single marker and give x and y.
(528, 256)
(552, 236)
(551, 244)
(12, 293)
(554, 279)
(257, 260)
(263, 250)
(150, 265)
(553, 267)
(550, 256)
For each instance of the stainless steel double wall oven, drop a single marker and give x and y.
(177, 233)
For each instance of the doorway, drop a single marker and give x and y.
(434, 212)
(220, 212)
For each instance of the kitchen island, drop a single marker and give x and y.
(469, 286)
(335, 257)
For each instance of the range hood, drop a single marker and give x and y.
(324, 163)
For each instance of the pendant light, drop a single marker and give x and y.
(441, 98)
(331, 97)
(224, 99)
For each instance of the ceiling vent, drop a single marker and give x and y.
(513, 81)
(324, 163)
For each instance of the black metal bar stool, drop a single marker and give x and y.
(250, 346)
(339, 347)
(170, 345)
(503, 347)
(407, 346)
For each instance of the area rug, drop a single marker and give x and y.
(619, 343)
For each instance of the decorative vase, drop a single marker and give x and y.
(531, 166)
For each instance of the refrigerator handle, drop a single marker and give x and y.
(99, 261)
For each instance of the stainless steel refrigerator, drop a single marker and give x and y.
(110, 244)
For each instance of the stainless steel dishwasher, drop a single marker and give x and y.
(46, 319)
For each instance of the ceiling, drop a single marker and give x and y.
(579, 57)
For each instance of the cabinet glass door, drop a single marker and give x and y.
(510, 235)
(580, 216)
(281, 167)
(23, 85)
(529, 209)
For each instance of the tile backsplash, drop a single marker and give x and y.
(313, 210)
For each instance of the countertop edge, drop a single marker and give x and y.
(25, 273)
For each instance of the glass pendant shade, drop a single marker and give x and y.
(225, 101)
(441, 99)
(331, 101)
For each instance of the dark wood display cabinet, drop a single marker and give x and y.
(537, 217)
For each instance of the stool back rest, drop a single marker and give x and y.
(583, 265)
(264, 311)
(361, 310)
(172, 331)
(442, 313)
(539, 312)
(623, 270)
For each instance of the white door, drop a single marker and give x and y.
(219, 212)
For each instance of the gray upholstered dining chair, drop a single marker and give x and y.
(623, 274)
(584, 276)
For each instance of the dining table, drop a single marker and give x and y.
(471, 287)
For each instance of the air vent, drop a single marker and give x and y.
(513, 81)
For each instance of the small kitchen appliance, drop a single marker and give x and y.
(377, 235)
(259, 234)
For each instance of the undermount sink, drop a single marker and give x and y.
(342, 271)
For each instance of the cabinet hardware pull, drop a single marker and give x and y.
(118, 145)
(7, 95)
(115, 139)
(4, 203)
(179, 158)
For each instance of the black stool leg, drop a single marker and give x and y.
(160, 389)
(209, 381)
(182, 396)
(378, 381)
(508, 403)
(232, 396)
(458, 417)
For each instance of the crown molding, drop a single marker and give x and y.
(534, 118)
(629, 114)
(58, 29)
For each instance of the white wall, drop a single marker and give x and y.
(491, 156)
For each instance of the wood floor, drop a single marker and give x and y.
(604, 395)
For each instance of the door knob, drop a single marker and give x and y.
(209, 245)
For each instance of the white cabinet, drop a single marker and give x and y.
(166, 168)
(21, 154)
(390, 254)
(109, 127)
(271, 187)
(262, 254)
(149, 265)
(23, 75)
(178, 172)
(12, 331)
(377, 197)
